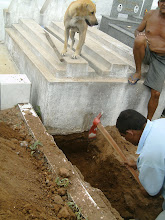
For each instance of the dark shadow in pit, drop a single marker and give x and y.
(110, 176)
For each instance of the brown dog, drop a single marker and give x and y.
(78, 16)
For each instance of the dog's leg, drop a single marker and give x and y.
(82, 35)
(63, 53)
(72, 34)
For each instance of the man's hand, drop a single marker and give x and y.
(137, 34)
(131, 163)
(141, 34)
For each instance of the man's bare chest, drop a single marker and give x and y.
(155, 27)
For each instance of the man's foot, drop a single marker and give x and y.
(134, 79)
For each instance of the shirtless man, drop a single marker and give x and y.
(149, 47)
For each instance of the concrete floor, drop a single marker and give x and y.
(7, 65)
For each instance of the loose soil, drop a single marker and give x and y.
(103, 168)
(27, 186)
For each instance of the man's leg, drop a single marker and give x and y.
(153, 103)
(140, 45)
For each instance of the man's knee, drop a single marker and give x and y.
(155, 94)
(140, 41)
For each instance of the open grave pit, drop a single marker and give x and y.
(102, 167)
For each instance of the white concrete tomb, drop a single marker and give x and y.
(14, 89)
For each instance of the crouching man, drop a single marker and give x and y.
(149, 137)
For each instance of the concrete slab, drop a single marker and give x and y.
(105, 62)
(120, 49)
(69, 104)
(14, 89)
(26, 30)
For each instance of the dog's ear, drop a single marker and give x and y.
(85, 8)
(91, 7)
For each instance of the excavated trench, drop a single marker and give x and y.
(102, 168)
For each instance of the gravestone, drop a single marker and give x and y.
(126, 7)
(124, 18)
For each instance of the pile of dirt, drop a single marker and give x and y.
(102, 167)
(28, 189)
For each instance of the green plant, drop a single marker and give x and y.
(38, 111)
(34, 147)
(63, 182)
(76, 210)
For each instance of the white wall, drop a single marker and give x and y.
(154, 4)
(3, 4)
(102, 7)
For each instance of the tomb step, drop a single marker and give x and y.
(34, 35)
(121, 34)
(98, 67)
(116, 47)
(13, 36)
(112, 65)
(46, 58)
(73, 67)
(103, 57)
(124, 51)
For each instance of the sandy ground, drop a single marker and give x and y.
(27, 187)
(7, 66)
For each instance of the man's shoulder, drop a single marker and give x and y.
(151, 13)
(159, 122)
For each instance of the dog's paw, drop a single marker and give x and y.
(74, 56)
(63, 53)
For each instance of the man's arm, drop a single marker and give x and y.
(142, 25)
(151, 179)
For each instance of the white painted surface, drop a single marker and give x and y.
(23, 9)
(69, 105)
(14, 89)
(55, 10)
(154, 4)
(3, 4)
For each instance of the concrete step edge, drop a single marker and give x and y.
(85, 48)
(90, 43)
(108, 71)
(113, 44)
(34, 30)
(37, 32)
(42, 54)
(38, 64)
(83, 54)
(116, 47)
(59, 37)
(122, 30)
